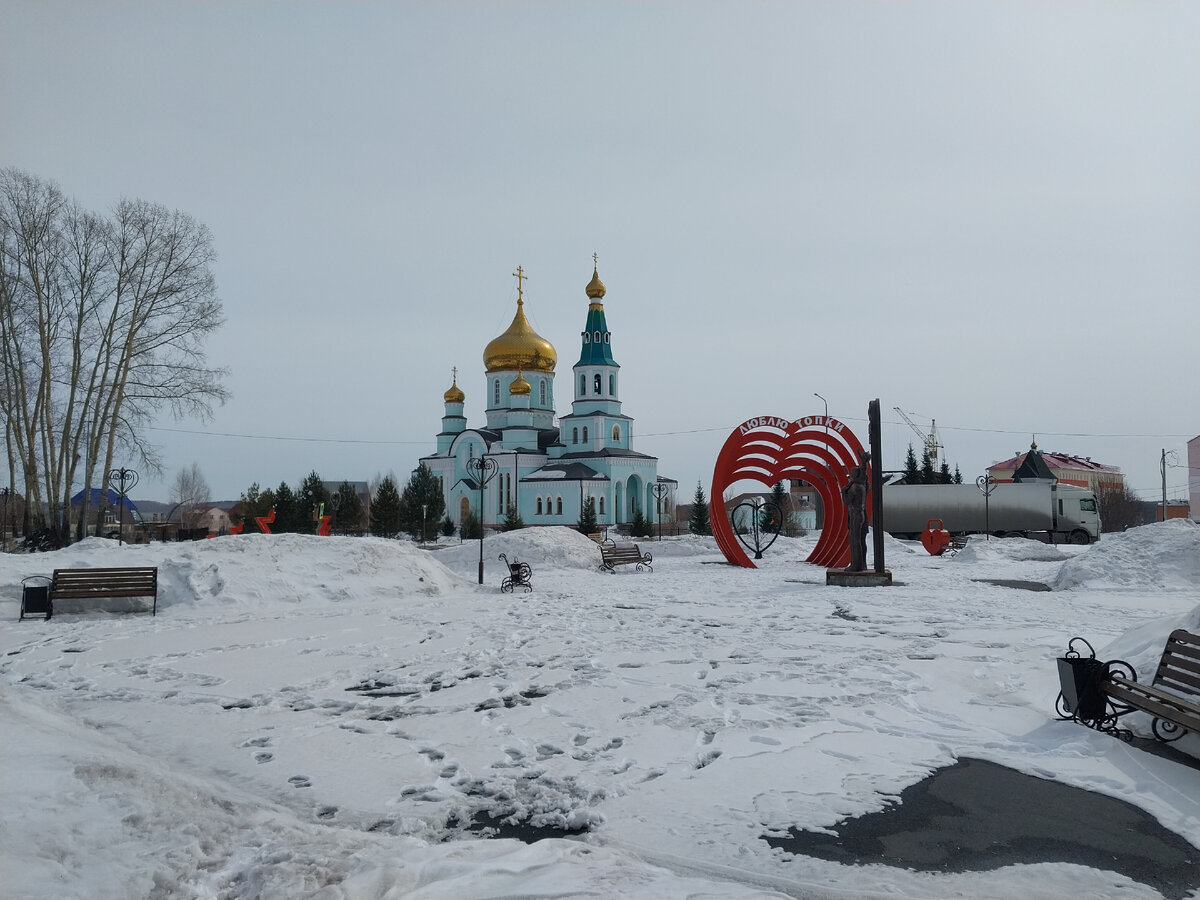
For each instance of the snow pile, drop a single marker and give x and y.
(1011, 549)
(1164, 556)
(554, 547)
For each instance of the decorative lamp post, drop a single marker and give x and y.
(660, 489)
(122, 481)
(987, 484)
(484, 469)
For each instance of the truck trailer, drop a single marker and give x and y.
(1058, 513)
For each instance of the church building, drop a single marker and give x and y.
(544, 466)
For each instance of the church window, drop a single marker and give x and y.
(585, 434)
(574, 435)
(582, 385)
(601, 506)
(616, 434)
(496, 392)
(587, 338)
(612, 385)
(539, 506)
(559, 505)
(596, 337)
(606, 338)
(596, 382)
(542, 391)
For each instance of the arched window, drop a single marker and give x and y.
(596, 337)
(542, 391)
(587, 338)
(574, 435)
(616, 434)
(606, 340)
(539, 506)
(596, 382)
(601, 506)
(496, 392)
(612, 385)
(585, 434)
(582, 385)
(559, 506)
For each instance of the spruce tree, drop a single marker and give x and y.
(928, 476)
(512, 519)
(348, 512)
(781, 498)
(912, 469)
(288, 519)
(309, 500)
(471, 528)
(641, 525)
(944, 476)
(253, 504)
(587, 518)
(447, 527)
(422, 500)
(699, 522)
(957, 475)
(385, 509)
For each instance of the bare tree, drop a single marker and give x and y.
(1119, 508)
(104, 322)
(190, 494)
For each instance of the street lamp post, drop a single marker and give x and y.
(424, 513)
(122, 481)
(660, 489)
(987, 484)
(484, 469)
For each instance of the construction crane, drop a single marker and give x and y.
(930, 440)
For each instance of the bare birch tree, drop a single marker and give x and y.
(104, 321)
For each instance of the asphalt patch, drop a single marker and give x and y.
(978, 816)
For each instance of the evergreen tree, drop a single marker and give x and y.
(447, 527)
(311, 497)
(348, 515)
(288, 518)
(928, 476)
(944, 476)
(471, 528)
(957, 475)
(422, 501)
(912, 469)
(254, 503)
(587, 518)
(512, 519)
(385, 509)
(699, 522)
(781, 498)
(641, 526)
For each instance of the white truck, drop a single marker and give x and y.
(1058, 513)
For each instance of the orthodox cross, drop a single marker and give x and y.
(521, 277)
(454, 370)
(595, 260)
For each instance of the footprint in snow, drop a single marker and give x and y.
(299, 781)
(263, 757)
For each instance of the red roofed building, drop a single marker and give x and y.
(1081, 471)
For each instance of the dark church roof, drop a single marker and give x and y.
(1033, 467)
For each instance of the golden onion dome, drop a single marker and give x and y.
(520, 386)
(596, 289)
(455, 394)
(520, 347)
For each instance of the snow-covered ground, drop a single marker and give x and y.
(329, 717)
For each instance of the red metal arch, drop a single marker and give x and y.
(813, 449)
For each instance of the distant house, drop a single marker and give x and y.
(1081, 471)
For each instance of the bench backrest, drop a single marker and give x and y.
(1179, 667)
(125, 581)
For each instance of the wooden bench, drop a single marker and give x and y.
(105, 584)
(613, 555)
(1172, 698)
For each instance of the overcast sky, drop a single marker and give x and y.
(987, 214)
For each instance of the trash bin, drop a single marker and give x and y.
(1079, 679)
(35, 597)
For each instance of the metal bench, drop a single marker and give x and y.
(613, 555)
(519, 573)
(1097, 694)
(105, 584)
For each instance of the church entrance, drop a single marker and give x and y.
(464, 509)
(633, 494)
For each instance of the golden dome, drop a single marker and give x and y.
(596, 288)
(520, 386)
(520, 347)
(455, 394)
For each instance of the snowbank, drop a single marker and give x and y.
(1163, 556)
